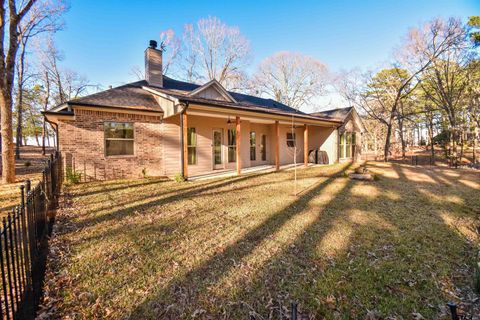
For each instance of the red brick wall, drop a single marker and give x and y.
(82, 146)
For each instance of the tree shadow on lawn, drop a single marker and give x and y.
(397, 272)
(125, 208)
(183, 221)
(116, 185)
(148, 200)
(221, 263)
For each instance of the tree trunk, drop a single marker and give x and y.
(430, 136)
(402, 137)
(8, 156)
(45, 107)
(453, 143)
(462, 141)
(44, 128)
(474, 145)
(21, 69)
(387, 142)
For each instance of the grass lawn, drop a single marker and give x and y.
(396, 248)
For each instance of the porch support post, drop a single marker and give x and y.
(305, 145)
(184, 127)
(277, 146)
(238, 133)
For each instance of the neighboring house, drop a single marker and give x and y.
(162, 127)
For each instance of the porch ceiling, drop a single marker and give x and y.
(256, 119)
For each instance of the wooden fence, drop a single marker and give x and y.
(23, 244)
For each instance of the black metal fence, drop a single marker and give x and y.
(23, 244)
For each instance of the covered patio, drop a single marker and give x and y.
(219, 142)
(216, 174)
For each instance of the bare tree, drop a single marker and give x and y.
(445, 79)
(43, 17)
(59, 85)
(171, 46)
(291, 78)
(422, 47)
(214, 50)
(11, 17)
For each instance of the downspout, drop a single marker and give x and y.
(55, 127)
(182, 140)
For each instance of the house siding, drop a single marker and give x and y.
(157, 144)
(204, 127)
(324, 139)
(286, 153)
(351, 126)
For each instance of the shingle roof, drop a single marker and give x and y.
(130, 96)
(339, 113)
(134, 96)
(243, 99)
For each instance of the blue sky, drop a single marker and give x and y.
(104, 39)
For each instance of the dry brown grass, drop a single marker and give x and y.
(10, 193)
(398, 247)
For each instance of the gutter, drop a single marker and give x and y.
(55, 127)
(113, 107)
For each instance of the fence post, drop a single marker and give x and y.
(28, 185)
(8, 265)
(294, 311)
(416, 160)
(453, 310)
(25, 237)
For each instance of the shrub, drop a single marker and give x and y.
(27, 164)
(73, 176)
(179, 177)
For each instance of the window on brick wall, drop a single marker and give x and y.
(118, 138)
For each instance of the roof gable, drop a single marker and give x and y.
(344, 114)
(212, 90)
(340, 113)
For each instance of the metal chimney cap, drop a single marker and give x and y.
(153, 44)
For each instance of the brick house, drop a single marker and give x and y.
(162, 127)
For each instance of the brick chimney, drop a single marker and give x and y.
(153, 65)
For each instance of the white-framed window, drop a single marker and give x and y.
(263, 148)
(192, 146)
(347, 144)
(119, 138)
(253, 147)
(232, 145)
(291, 139)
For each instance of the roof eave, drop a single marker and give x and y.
(72, 103)
(284, 114)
